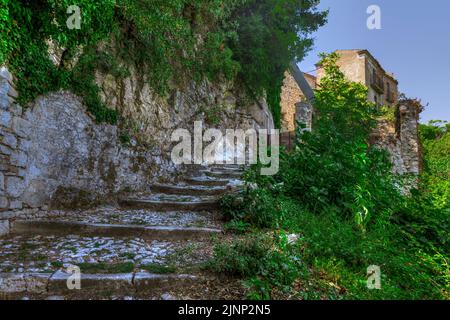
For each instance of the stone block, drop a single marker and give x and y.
(16, 205)
(24, 144)
(4, 215)
(9, 140)
(5, 150)
(4, 203)
(4, 227)
(15, 108)
(19, 158)
(5, 74)
(37, 193)
(5, 118)
(4, 101)
(21, 127)
(4, 87)
(11, 171)
(15, 186)
(22, 173)
(24, 282)
(12, 92)
(2, 181)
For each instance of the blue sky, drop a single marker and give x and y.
(414, 44)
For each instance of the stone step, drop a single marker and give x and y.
(100, 254)
(138, 217)
(34, 267)
(92, 285)
(168, 202)
(168, 205)
(63, 228)
(189, 189)
(229, 168)
(222, 174)
(206, 181)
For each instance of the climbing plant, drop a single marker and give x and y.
(170, 41)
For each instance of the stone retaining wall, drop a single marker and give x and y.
(54, 155)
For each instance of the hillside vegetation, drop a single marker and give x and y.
(335, 208)
(171, 41)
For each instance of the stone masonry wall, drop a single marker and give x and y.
(13, 133)
(401, 138)
(54, 154)
(291, 94)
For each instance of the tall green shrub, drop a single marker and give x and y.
(271, 34)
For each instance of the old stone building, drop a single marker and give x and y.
(361, 66)
(400, 137)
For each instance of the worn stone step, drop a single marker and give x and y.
(139, 217)
(228, 168)
(167, 202)
(189, 189)
(92, 285)
(99, 254)
(168, 205)
(61, 228)
(222, 174)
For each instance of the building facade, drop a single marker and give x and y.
(400, 138)
(361, 66)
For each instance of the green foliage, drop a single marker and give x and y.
(274, 101)
(338, 195)
(162, 37)
(237, 226)
(389, 113)
(268, 260)
(213, 115)
(169, 41)
(257, 207)
(271, 34)
(83, 83)
(32, 25)
(242, 257)
(334, 166)
(436, 150)
(125, 139)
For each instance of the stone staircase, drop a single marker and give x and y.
(149, 247)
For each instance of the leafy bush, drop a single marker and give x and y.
(169, 41)
(338, 195)
(436, 149)
(268, 260)
(333, 166)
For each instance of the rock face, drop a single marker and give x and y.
(56, 146)
(55, 154)
(69, 151)
(154, 118)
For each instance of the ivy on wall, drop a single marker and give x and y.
(170, 41)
